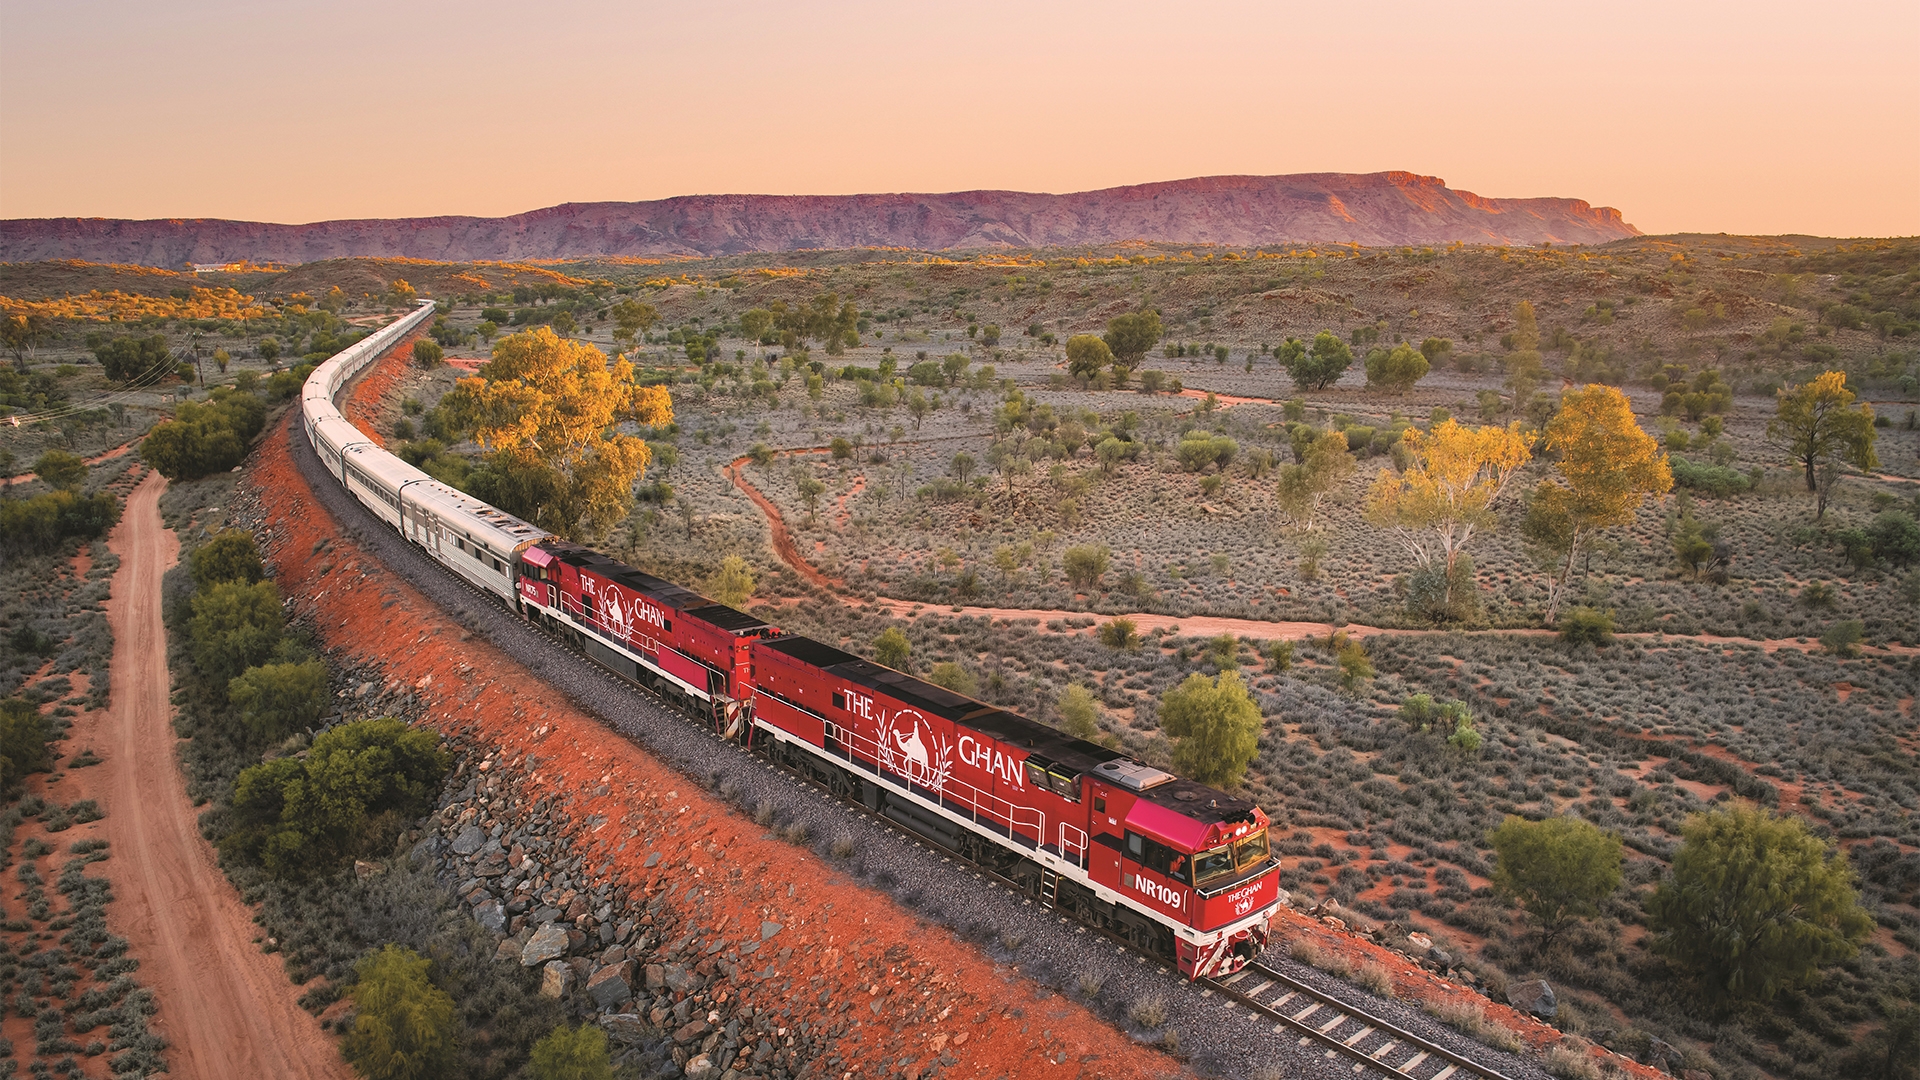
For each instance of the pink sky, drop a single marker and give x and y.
(1756, 117)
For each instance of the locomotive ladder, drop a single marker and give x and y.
(1345, 1029)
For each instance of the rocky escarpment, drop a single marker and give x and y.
(1370, 209)
(624, 955)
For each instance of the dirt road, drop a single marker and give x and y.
(226, 1007)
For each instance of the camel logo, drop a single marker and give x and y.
(909, 748)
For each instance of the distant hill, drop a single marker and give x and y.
(1370, 209)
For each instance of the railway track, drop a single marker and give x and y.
(1345, 1030)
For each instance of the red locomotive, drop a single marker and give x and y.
(1181, 870)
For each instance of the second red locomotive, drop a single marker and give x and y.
(1180, 869)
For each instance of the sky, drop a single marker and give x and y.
(1757, 117)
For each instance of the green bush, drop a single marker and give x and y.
(427, 353)
(24, 733)
(273, 700)
(1080, 712)
(1216, 727)
(405, 1028)
(1586, 626)
(136, 360)
(60, 470)
(1843, 638)
(229, 556)
(39, 524)
(204, 439)
(1085, 564)
(953, 677)
(1895, 537)
(233, 627)
(892, 649)
(1756, 904)
(1559, 869)
(1119, 634)
(357, 786)
(1715, 480)
(570, 1053)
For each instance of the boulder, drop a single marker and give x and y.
(492, 916)
(680, 980)
(611, 985)
(692, 1030)
(469, 841)
(1664, 1056)
(701, 1067)
(768, 929)
(656, 977)
(1534, 997)
(556, 979)
(626, 1027)
(547, 943)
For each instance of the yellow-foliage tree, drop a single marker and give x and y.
(1607, 468)
(545, 409)
(1453, 477)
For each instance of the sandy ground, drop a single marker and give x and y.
(225, 1007)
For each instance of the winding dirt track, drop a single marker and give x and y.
(226, 1007)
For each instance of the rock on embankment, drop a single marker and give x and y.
(613, 955)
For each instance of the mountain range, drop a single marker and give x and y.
(1369, 209)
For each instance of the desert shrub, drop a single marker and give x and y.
(274, 699)
(1895, 538)
(571, 1053)
(41, 523)
(1586, 626)
(427, 353)
(1119, 634)
(1079, 712)
(1756, 903)
(61, 470)
(1715, 480)
(1084, 564)
(229, 556)
(234, 627)
(405, 1028)
(24, 733)
(892, 649)
(358, 781)
(1843, 637)
(1280, 656)
(1559, 869)
(953, 677)
(203, 439)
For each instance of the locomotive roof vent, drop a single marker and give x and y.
(1132, 774)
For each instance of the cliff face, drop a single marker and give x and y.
(1373, 210)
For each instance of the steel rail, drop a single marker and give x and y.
(1325, 1015)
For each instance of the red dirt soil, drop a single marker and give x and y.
(943, 997)
(225, 1006)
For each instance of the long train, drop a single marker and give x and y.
(1181, 870)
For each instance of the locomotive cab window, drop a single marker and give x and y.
(1157, 856)
(1099, 804)
(839, 701)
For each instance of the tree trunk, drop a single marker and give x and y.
(1558, 591)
